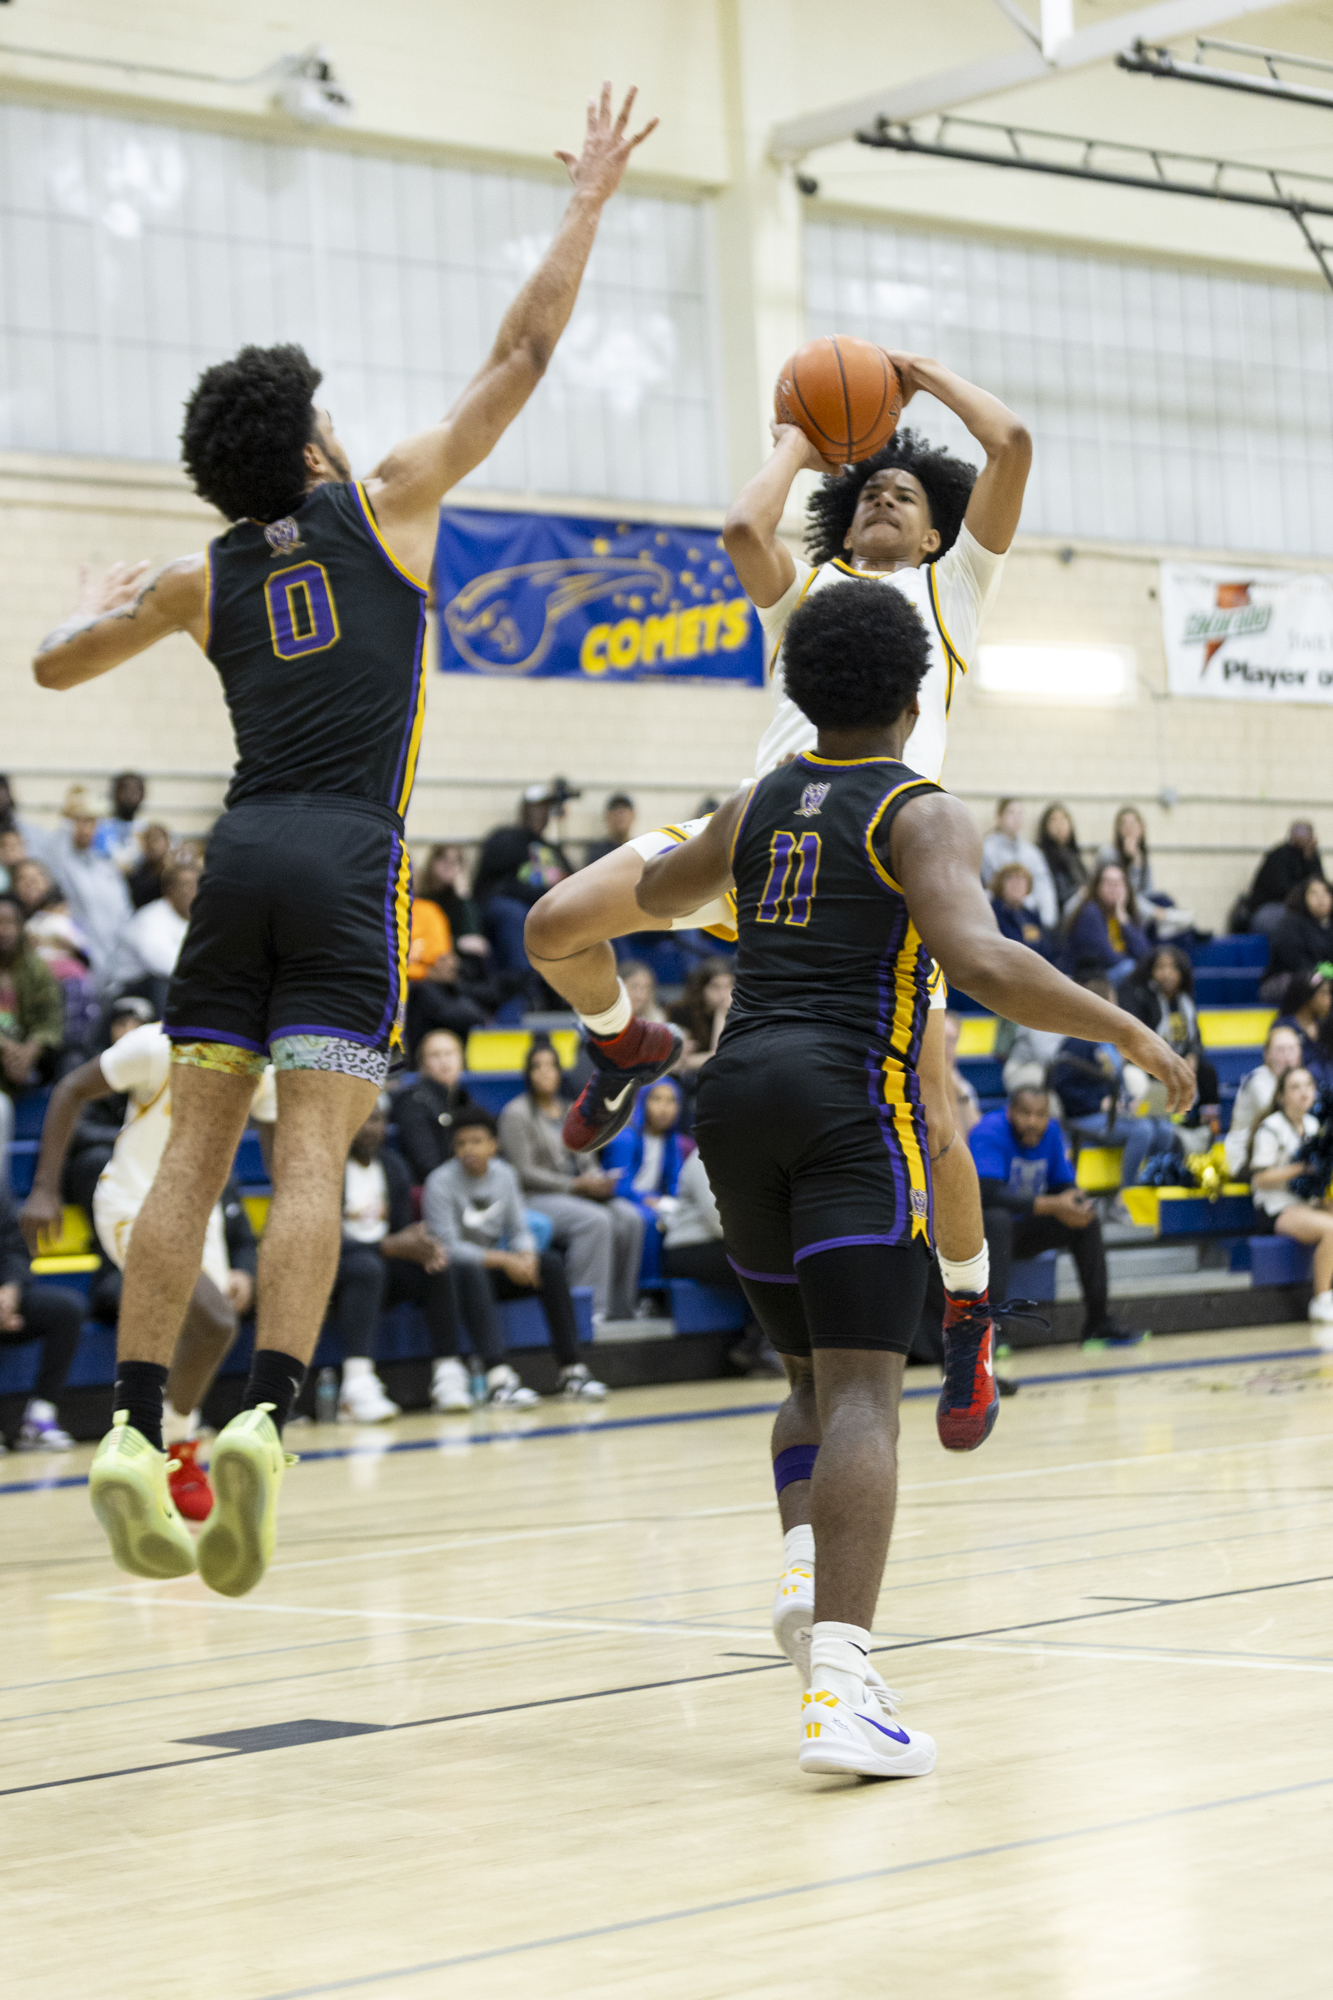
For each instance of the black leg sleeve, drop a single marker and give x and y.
(53, 1316)
(358, 1297)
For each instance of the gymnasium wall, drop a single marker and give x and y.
(718, 271)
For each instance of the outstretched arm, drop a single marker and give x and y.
(42, 1210)
(936, 855)
(997, 498)
(686, 877)
(121, 614)
(759, 556)
(416, 475)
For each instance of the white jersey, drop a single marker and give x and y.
(950, 595)
(139, 1065)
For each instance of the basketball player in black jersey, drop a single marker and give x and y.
(312, 609)
(850, 873)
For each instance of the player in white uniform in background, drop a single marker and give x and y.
(924, 523)
(139, 1067)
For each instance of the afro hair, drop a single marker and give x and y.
(946, 481)
(853, 658)
(247, 424)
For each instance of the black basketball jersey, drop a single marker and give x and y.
(317, 632)
(826, 939)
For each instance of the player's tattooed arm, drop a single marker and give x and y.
(935, 855)
(121, 614)
(997, 498)
(686, 877)
(417, 474)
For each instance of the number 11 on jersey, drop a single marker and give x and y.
(788, 852)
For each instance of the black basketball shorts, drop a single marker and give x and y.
(298, 938)
(817, 1158)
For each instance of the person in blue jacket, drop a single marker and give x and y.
(1010, 894)
(646, 1159)
(1030, 1203)
(1106, 940)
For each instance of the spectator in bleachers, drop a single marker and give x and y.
(1161, 994)
(145, 957)
(428, 1110)
(144, 881)
(601, 1236)
(32, 1013)
(1011, 900)
(692, 1248)
(34, 886)
(518, 865)
(60, 944)
(29, 1311)
(1031, 1203)
(95, 889)
(966, 1103)
(703, 1011)
(1309, 998)
(387, 1257)
(444, 880)
(640, 983)
(1282, 869)
(13, 849)
(1254, 1099)
(118, 835)
(618, 819)
(1274, 1166)
(1005, 844)
(1094, 1085)
(1028, 1059)
(646, 1159)
(474, 1207)
(34, 839)
(1059, 846)
(1301, 941)
(1105, 939)
(456, 993)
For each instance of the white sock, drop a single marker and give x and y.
(356, 1368)
(177, 1429)
(615, 1018)
(839, 1655)
(971, 1275)
(798, 1545)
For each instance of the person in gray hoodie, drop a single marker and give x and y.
(473, 1206)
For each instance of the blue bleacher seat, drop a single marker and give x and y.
(22, 1166)
(700, 1308)
(1227, 986)
(1277, 1260)
(493, 1089)
(1246, 950)
(29, 1111)
(18, 1367)
(984, 1073)
(1033, 1277)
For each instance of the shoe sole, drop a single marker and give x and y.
(131, 1517)
(836, 1760)
(960, 1440)
(232, 1559)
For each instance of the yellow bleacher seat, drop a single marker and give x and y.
(73, 1238)
(1098, 1169)
(1141, 1203)
(256, 1207)
(506, 1049)
(55, 1267)
(976, 1034)
(1235, 1027)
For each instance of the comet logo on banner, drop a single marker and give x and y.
(532, 594)
(1265, 637)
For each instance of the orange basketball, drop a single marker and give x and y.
(844, 394)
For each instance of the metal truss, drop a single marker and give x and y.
(1115, 163)
(1149, 61)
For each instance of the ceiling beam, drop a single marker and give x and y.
(1007, 70)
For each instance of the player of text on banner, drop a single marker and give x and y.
(526, 594)
(1243, 634)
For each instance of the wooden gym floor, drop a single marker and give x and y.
(503, 1720)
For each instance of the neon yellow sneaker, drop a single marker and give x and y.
(128, 1488)
(236, 1545)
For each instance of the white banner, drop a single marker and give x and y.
(1247, 634)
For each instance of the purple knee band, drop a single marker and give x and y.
(797, 1462)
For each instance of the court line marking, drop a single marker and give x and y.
(1152, 1656)
(445, 1445)
(695, 1911)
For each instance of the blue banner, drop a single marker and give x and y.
(525, 594)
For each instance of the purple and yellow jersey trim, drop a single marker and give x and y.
(410, 749)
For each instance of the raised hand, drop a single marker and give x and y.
(119, 586)
(599, 168)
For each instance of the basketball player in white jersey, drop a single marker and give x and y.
(139, 1067)
(925, 523)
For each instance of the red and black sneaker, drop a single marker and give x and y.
(625, 1063)
(970, 1396)
(188, 1482)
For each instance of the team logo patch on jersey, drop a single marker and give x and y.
(920, 1204)
(812, 798)
(283, 536)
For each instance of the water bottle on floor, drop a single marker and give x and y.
(326, 1396)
